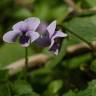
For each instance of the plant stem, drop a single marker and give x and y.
(70, 31)
(79, 37)
(26, 59)
(88, 43)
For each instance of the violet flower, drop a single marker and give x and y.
(49, 37)
(24, 31)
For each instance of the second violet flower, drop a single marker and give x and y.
(50, 37)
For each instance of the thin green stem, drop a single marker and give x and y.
(70, 31)
(82, 39)
(26, 58)
(88, 43)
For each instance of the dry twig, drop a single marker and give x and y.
(34, 61)
(40, 59)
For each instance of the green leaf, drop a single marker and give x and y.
(84, 27)
(3, 75)
(76, 62)
(91, 3)
(42, 11)
(90, 90)
(53, 88)
(93, 66)
(60, 12)
(92, 87)
(84, 93)
(10, 53)
(70, 93)
(21, 87)
(22, 13)
(4, 89)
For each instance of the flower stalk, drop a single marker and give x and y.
(26, 58)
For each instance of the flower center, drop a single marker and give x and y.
(24, 39)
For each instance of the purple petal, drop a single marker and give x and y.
(43, 41)
(32, 23)
(42, 28)
(58, 34)
(24, 41)
(33, 35)
(11, 36)
(51, 28)
(55, 48)
(21, 26)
